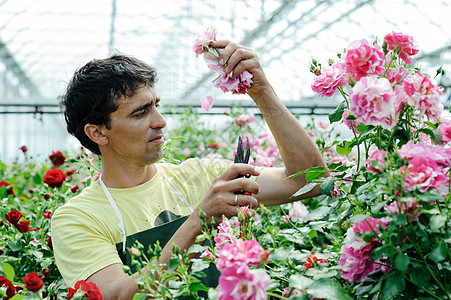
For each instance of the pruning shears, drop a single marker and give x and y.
(242, 157)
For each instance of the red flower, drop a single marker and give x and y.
(311, 259)
(9, 187)
(49, 242)
(74, 189)
(46, 196)
(23, 226)
(33, 282)
(13, 216)
(10, 289)
(54, 178)
(70, 172)
(24, 149)
(57, 158)
(91, 290)
(47, 214)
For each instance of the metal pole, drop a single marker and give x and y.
(112, 29)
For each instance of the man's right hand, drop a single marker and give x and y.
(219, 200)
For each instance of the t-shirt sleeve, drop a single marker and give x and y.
(80, 244)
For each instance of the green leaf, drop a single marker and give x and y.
(393, 285)
(327, 187)
(199, 265)
(173, 264)
(311, 175)
(312, 234)
(344, 148)
(196, 287)
(439, 252)
(329, 289)
(15, 245)
(20, 297)
(8, 270)
(305, 189)
(337, 114)
(402, 262)
(136, 297)
(318, 213)
(437, 222)
(299, 281)
(420, 276)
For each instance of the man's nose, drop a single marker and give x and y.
(157, 120)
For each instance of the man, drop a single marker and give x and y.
(111, 106)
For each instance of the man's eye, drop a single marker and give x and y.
(141, 114)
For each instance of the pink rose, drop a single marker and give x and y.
(327, 83)
(225, 234)
(376, 161)
(423, 95)
(297, 211)
(202, 40)
(239, 253)
(355, 257)
(409, 208)
(438, 154)
(363, 59)
(445, 129)
(243, 284)
(397, 75)
(422, 173)
(371, 101)
(244, 120)
(402, 44)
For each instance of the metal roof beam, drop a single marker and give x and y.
(248, 38)
(11, 65)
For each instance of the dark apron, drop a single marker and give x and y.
(163, 233)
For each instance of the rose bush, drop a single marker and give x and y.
(380, 229)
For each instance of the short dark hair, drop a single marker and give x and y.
(93, 92)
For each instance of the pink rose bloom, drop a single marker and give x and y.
(225, 234)
(327, 83)
(371, 101)
(202, 40)
(422, 173)
(445, 129)
(244, 120)
(348, 123)
(397, 75)
(409, 208)
(212, 61)
(243, 284)
(376, 161)
(238, 85)
(355, 257)
(297, 211)
(423, 95)
(239, 253)
(438, 154)
(402, 43)
(207, 254)
(363, 59)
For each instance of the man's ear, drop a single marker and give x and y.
(94, 132)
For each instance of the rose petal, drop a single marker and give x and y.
(206, 103)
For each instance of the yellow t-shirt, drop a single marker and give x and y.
(85, 230)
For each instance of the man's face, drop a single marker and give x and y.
(136, 132)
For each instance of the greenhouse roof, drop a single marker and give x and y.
(42, 42)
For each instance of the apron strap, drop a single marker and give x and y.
(116, 211)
